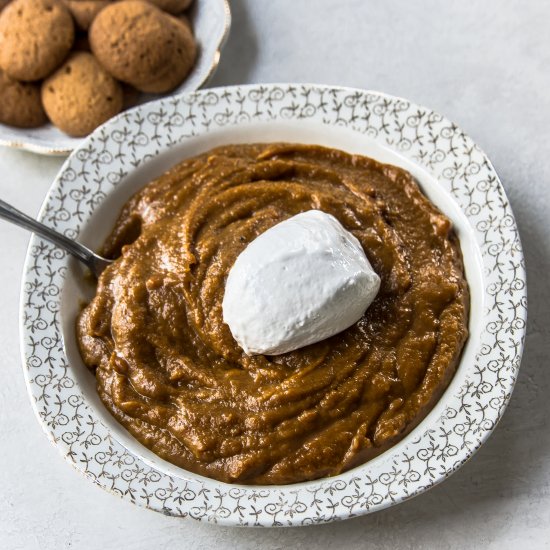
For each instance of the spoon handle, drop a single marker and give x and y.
(79, 251)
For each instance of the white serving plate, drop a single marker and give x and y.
(131, 149)
(210, 19)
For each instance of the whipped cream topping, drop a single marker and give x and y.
(299, 282)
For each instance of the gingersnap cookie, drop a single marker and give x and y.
(35, 38)
(172, 6)
(20, 103)
(143, 46)
(85, 11)
(81, 95)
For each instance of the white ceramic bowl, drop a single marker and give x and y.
(131, 149)
(211, 20)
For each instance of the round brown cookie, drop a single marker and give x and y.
(172, 6)
(182, 62)
(143, 46)
(85, 11)
(35, 37)
(81, 95)
(20, 103)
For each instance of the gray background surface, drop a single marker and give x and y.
(486, 65)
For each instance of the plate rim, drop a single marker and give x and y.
(247, 88)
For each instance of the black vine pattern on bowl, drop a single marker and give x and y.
(133, 138)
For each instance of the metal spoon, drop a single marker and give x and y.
(95, 263)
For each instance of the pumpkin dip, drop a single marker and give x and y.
(170, 372)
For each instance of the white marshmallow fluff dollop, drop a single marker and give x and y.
(299, 282)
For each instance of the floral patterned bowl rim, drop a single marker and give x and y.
(139, 144)
(211, 20)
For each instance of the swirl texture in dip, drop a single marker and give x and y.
(169, 370)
